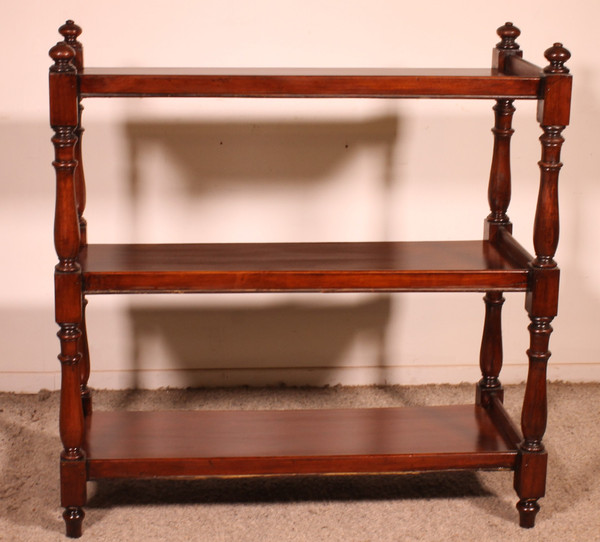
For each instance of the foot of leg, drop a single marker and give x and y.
(528, 509)
(73, 520)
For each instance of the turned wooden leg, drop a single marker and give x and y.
(73, 476)
(541, 304)
(528, 508)
(73, 517)
(530, 484)
(530, 474)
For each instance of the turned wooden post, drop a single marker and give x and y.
(499, 187)
(542, 300)
(70, 32)
(506, 47)
(64, 118)
(499, 192)
(490, 356)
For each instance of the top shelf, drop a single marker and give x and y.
(302, 83)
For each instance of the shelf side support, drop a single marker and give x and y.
(499, 193)
(490, 358)
(64, 119)
(499, 187)
(70, 32)
(542, 299)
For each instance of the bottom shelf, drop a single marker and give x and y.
(232, 443)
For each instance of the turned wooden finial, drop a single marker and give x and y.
(557, 55)
(63, 55)
(509, 33)
(70, 31)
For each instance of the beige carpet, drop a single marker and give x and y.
(435, 506)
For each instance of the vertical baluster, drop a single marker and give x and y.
(499, 193)
(546, 225)
(70, 32)
(490, 357)
(542, 300)
(499, 187)
(553, 115)
(64, 120)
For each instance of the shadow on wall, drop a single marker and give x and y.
(258, 179)
(304, 340)
(217, 155)
(243, 158)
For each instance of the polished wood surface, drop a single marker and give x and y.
(138, 444)
(455, 265)
(302, 82)
(294, 441)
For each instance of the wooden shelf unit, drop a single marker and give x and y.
(206, 443)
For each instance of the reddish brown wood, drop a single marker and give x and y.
(288, 442)
(499, 187)
(64, 120)
(80, 188)
(86, 396)
(530, 475)
(70, 32)
(512, 249)
(73, 476)
(497, 226)
(553, 115)
(507, 48)
(490, 358)
(503, 421)
(130, 445)
(542, 297)
(323, 83)
(546, 227)
(530, 485)
(465, 266)
(516, 65)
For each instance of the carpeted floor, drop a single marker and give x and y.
(421, 507)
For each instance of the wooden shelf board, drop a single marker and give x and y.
(204, 443)
(304, 82)
(245, 267)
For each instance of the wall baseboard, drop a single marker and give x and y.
(328, 376)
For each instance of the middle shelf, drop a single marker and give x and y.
(270, 267)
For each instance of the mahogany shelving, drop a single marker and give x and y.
(203, 443)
